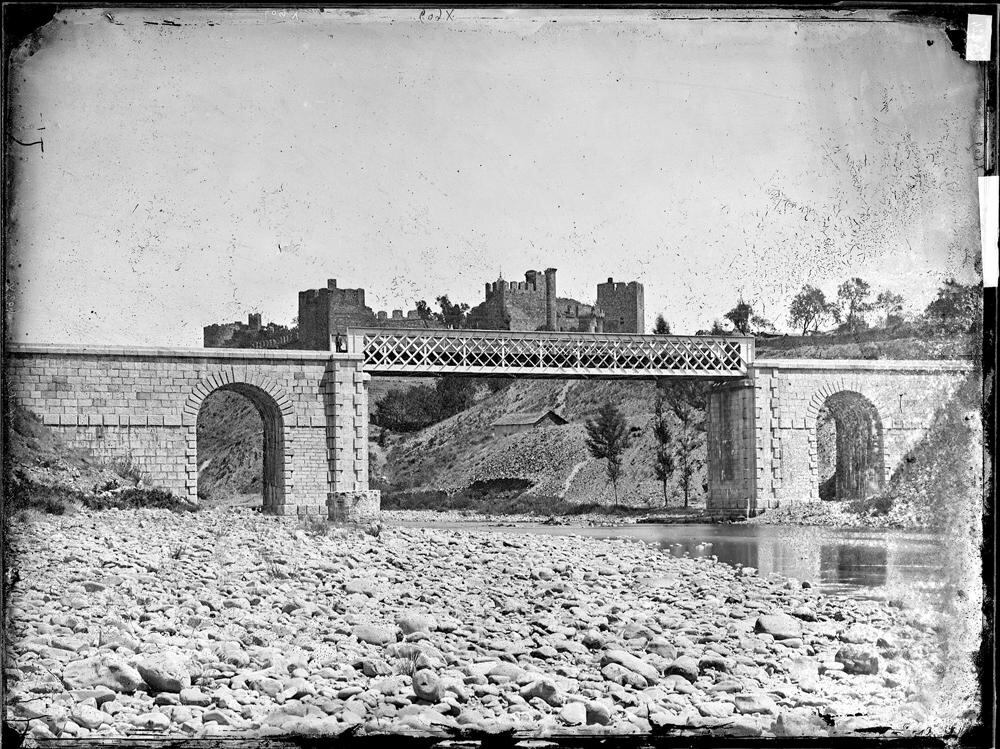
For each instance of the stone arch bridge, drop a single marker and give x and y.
(766, 418)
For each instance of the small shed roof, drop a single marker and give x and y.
(528, 419)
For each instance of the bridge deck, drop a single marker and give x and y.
(549, 354)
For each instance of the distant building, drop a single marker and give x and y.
(522, 422)
(533, 304)
(325, 314)
(623, 306)
(251, 334)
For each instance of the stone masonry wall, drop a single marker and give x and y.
(143, 404)
(731, 447)
(789, 394)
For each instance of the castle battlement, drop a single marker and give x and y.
(532, 304)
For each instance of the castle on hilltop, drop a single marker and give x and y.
(533, 304)
(325, 314)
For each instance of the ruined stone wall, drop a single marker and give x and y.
(143, 404)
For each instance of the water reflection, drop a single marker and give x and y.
(859, 563)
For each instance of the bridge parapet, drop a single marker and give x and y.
(549, 354)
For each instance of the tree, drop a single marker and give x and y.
(852, 304)
(607, 439)
(451, 315)
(809, 309)
(956, 307)
(409, 410)
(745, 321)
(688, 401)
(891, 306)
(454, 394)
(739, 316)
(958, 310)
(663, 464)
(424, 311)
(661, 326)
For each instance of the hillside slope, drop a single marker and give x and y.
(940, 483)
(230, 447)
(461, 450)
(42, 471)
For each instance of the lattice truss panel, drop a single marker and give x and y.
(552, 354)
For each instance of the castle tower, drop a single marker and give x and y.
(551, 313)
(623, 306)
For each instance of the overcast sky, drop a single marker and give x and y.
(197, 170)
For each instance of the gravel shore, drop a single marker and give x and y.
(228, 622)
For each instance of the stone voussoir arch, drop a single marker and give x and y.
(252, 386)
(842, 384)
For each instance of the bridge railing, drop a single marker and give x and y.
(540, 354)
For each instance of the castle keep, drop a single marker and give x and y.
(533, 304)
(329, 312)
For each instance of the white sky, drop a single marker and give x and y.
(195, 173)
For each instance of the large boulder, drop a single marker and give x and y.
(373, 634)
(799, 722)
(684, 666)
(164, 672)
(632, 663)
(427, 686)
(858, 659)
(662, 647)
(625, 676)
(573, 713)
(104, 670)
(755, 702)
(860, 634)
(415, 621)
(544, 689)
(779, 626)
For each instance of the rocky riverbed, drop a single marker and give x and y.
(228, 622)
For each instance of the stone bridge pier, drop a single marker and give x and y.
(142, 405)
(801, 430)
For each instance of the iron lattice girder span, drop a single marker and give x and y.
(549, 354)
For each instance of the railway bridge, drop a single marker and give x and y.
(769, 421)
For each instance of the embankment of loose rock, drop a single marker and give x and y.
(229, 622)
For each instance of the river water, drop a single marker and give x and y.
(877, 564)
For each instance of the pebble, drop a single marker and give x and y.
(428, 629)
(858, 659)
(374, 634)
(427, 686)
(685, 666)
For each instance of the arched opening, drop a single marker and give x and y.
(240, 448)
(849, 447)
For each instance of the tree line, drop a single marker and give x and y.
(956, 309)
(678, 429)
